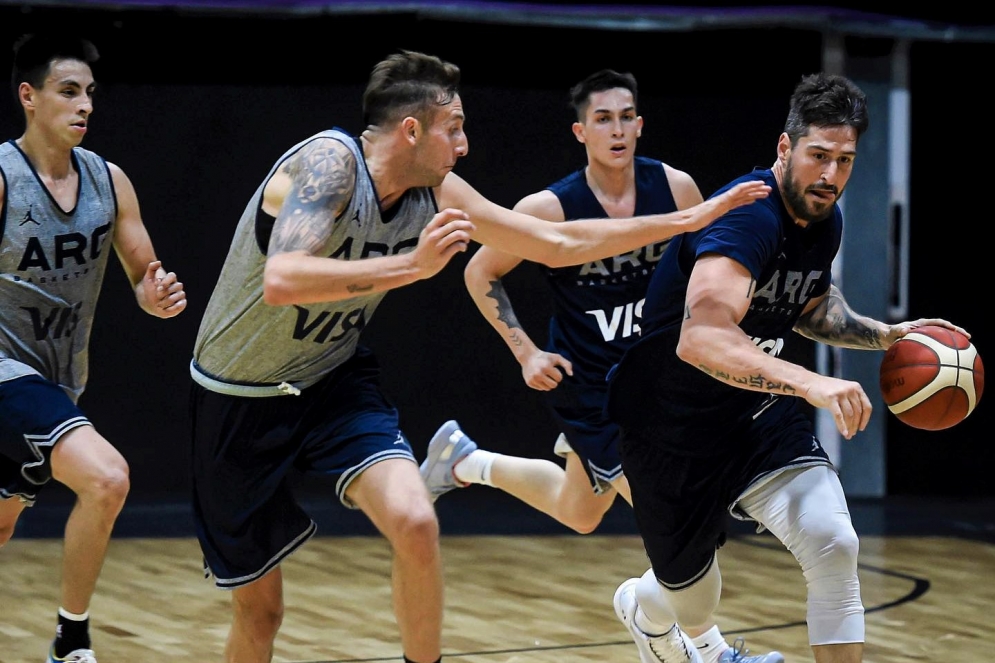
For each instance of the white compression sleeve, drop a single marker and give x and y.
(807, 511)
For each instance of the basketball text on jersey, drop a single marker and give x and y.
(794, 289)
(62, 249)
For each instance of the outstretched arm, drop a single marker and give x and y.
(541, 370)
(562, 244)
(830, 320)
(157, 291)
(311, 190)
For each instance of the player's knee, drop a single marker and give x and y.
(829, 550)
(416, 533)
(583, 511)
(582, 522)
(835, 610)
(109, 491)
(262, 618)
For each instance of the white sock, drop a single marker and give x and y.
(711, 644)
(475, 468)
(72, 616)
(650, 628)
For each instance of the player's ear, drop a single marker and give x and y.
(411, 128)
(25, 95)
(578, 129)
(783, 148)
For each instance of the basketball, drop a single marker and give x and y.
(932, 378)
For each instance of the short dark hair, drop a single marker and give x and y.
(34, 53)
(826, 100)
(599, 81)
(408, 83)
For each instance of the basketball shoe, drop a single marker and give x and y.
(738, 653)
(75, 656)
(674, 646)
(447, 447)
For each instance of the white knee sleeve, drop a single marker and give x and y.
(690, 607)
(807, 511)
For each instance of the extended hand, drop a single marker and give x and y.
(743, 193)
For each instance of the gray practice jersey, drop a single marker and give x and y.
(52, 264)
(244, 341)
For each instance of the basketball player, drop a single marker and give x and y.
(712, 419)
(281, 379)
(61, 209)
(596, 308)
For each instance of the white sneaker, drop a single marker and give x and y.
(674, 646)
(561, 447)
(738, 653)
(447, 447)
(75, 656)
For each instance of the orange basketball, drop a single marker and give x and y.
(932, 378)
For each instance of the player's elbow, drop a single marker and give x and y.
(471, 275)
(691, 346)
(277, 289)
(560, 251)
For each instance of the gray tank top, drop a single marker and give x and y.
(52, 264)
(245, 342)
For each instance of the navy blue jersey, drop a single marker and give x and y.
(597, 305)
(653, 392)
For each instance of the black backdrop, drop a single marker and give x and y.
(195, 108)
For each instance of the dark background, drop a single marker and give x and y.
(195, 107)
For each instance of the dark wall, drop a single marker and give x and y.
(195, 108)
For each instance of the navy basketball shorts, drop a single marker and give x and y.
(682, 503)
(245, 513)
(580, 410)
(34, 414)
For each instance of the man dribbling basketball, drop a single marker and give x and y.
(710, 415)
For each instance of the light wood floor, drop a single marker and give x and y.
(510, 599)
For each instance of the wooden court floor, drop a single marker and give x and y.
(509, 599)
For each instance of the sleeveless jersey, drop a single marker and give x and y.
(243, 340)
(653, 392)
(597, 305)
(52, 265)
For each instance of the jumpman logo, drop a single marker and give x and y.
(355, 217)
(28, 218)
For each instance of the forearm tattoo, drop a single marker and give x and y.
(833, 322)
(506, 314)
(754, 382)
(323, 178)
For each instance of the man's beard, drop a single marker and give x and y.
(796, 202)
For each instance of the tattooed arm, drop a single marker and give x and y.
(308, 192)
(541, 370)
(718, 296)
(830, 320)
